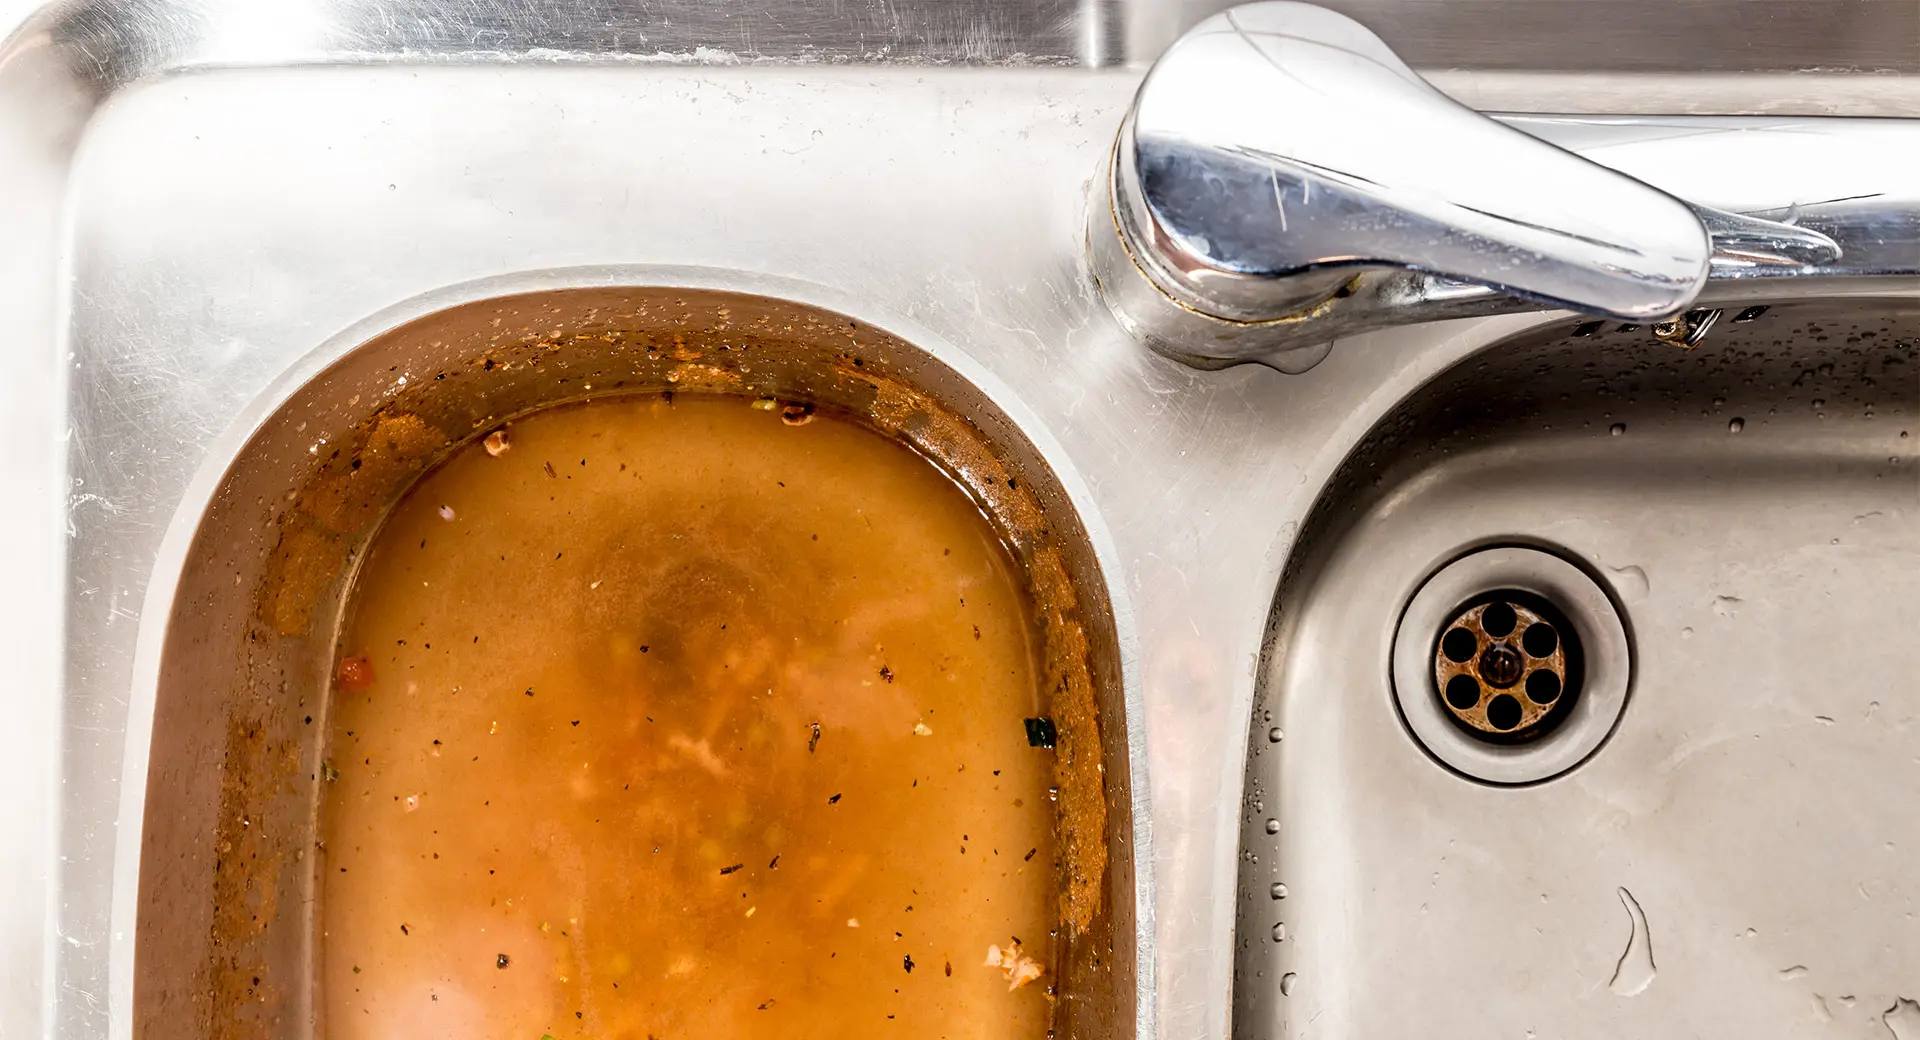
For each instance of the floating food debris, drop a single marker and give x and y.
(1041, 733)
(1018, 968)
(354, 673)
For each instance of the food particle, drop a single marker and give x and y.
(765, 404)
(797, 414)
(355, 673)
(1018, 968)
(1041, 733)
(920, 730)
(497, 443)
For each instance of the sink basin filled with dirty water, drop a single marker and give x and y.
(1589, 705)
(632, 663)
(680, 717)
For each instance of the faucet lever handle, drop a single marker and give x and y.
(1277, 148)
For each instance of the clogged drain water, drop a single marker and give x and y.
(683, 718)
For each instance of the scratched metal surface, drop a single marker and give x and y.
(200, 191)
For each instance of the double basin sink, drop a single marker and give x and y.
(238, 239)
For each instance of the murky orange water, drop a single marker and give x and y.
(685, 722)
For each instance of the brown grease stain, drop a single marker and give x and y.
(352, 487)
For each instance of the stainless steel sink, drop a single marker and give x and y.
(1737, 856)
(207, 202)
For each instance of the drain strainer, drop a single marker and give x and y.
(1511, 665)
(1507, 668)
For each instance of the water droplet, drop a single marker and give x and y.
(1273, 826)
(1726, 606)
(1798, 971)
(1736, 424)
(1280, 932)
(1277, 890)
(1686, 633)
(1903, 1019)
(1719, 401)
(1286, 984)
(1617, 429)
(1635, 970)
(1275, 735)
(1631, 581)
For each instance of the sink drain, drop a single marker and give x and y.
(1511, 665)
(1508, 668)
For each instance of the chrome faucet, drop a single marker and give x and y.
(1283, 180)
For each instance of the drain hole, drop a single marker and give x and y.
(1543, 687)
(1459, 646)
(1463, 692)
(1500, 666)
(1510, 665)
(1498, 620)
(1491, 646)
